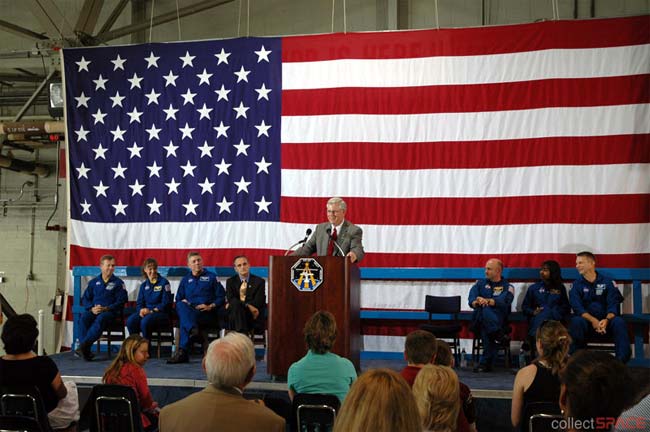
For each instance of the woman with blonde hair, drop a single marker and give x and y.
(127, 369)
(539, 381)
(380, 400)
(436, 392)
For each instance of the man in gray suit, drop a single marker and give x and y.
(229, 365)
(337, 231)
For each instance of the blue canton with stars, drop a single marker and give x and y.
(175, 132)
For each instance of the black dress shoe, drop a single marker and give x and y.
(84, 352)
(179, 357)
(482, 369)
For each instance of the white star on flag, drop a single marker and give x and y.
(154, 206)
(263, 205)
(83, 64)
(222, 56)
(100, 83)
(263, 92)
(152, 97)
(136, 188)
(187, 131)
(99, 116)
(221, 130)
(171, 149)
(173, 187)
(101, 189)
(224, 205)
(188, 169)
(82, 100)
(135, 81)
(223, 167)
(188, 97)
(241, 148)
(206, 150)
(134, 116)
(119, 207)
(263, 54)
(263, 166)
(242, 75)
(117, 100)
(85, 206)
(81, 134)
(152, 60)
(170, 79)
(119, 171)
(153, 132)
(118, 134)
(241, 110)
(204, 77)
(100, 152)
(82, 171)
(190, 207)
(119, 63)
(206, 186)
(187, 59)
(135, 150)
(171, 112)
(222, 93)
(242, 185)
(154, 170)
(205, 112)
(262, 129)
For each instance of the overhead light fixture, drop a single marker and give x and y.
(55, 107)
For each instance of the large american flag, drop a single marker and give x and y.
(526, 142)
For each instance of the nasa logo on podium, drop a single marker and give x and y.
(306, 274)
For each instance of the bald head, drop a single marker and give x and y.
(493, 269)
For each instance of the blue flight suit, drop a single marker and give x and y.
(111, 294)
(598, 299)
(201, 289)
(554, 301)
(490, 320)
(156, 296)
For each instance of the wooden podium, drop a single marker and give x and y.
(290, 307)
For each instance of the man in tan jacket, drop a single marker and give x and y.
(229, 365)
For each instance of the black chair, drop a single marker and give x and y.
(24, 401)
(115, 331)
(314, 412)
(601, 342)
(161, 334)
(451, 332)
(111, 408)
(503, 345)
(538, 416)
(9, 423)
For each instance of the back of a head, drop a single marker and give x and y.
(555, 341)
(420, 347)
(320, 332)
(436, 392)
(380, 400)
(19, 334)
(443, 354)
(229, 361)
(594, 384)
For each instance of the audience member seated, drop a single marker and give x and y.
(419, 350)
(637, 417)
(596, 301)
(246, 297)
(104, 300)
(229, 365)
(128, 369)
(199, 301)
(321, 371)
(491, 299)
(545, 300)
(467, 413)
(379, 401)
(595, 389)
(437, 396)
(539, 381)
(154, 301)
(20, 366)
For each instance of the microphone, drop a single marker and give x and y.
(329, 233)
(303, 241)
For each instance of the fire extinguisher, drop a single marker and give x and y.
(57, 307)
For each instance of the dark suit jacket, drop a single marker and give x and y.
(255, 293)
(217, 409)
(349, 239)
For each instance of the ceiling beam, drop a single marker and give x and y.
(51, 19)
(88, 16)
(113, 16)
(160, 19)
(20, 78)
(37, 92)
(21, 31)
